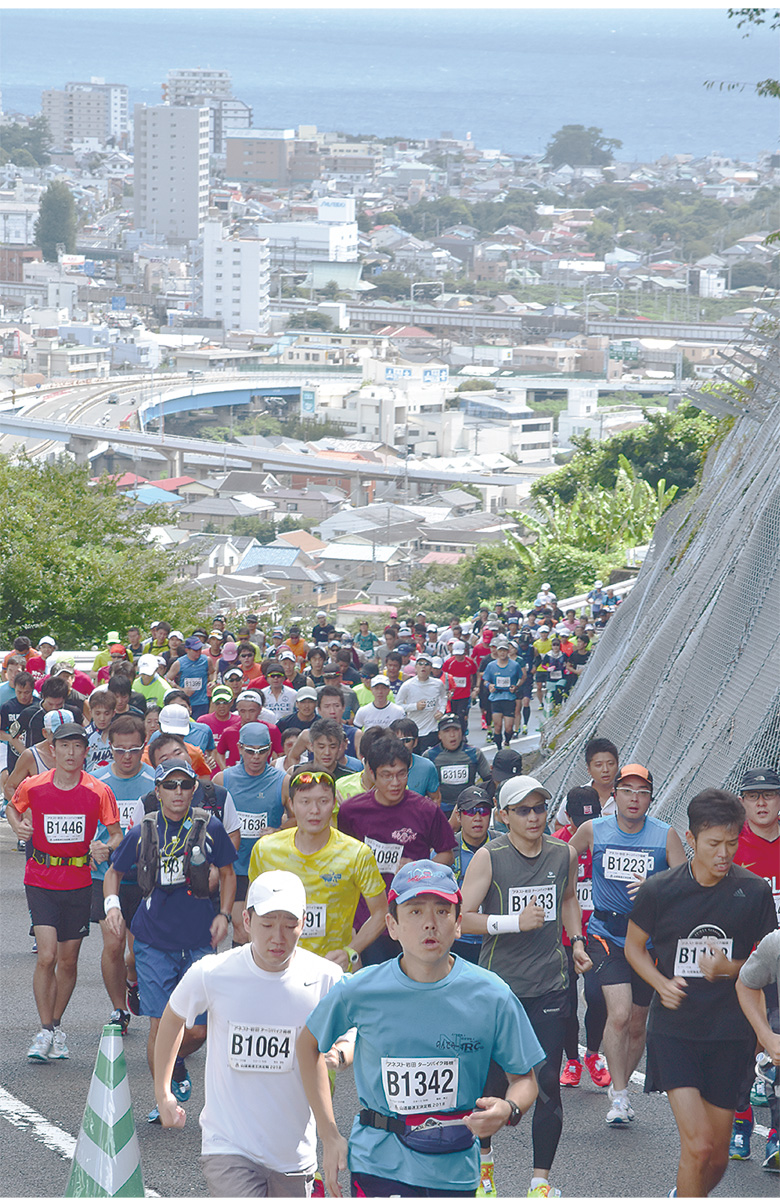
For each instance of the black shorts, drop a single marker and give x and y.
(505, 708)
(611, 966)
(242, 886)
(714, 1069)
(525, 690)
(66, 911)
(129, 898)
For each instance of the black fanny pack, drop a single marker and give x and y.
(614, 923)
(428, 1133)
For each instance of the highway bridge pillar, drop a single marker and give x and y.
(357, 492)
(80, 448)
(174, 457)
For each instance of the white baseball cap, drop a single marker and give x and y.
(148, 664)
(277, 891)
(458, 647)
(514, 791)
(174, 718)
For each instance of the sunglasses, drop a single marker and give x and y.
(312, 777)
(481, 810)
(178, 785)
(126, 750)
(258, 750)
(528, 809)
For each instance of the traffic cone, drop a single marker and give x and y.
(107, 1161)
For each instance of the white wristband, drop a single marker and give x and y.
(509, 924)
(109, 903)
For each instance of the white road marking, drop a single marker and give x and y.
(639, 1078)
(21, 1116)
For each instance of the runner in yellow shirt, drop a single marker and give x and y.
(334, 868)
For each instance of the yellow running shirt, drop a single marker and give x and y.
(334, 878)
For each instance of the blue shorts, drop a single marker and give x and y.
(158, 973)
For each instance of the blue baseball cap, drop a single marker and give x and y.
(174, 764)
(254, 734)
(424, 878)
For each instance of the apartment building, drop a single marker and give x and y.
(171, 172)
(86, 110)
(184, 85)
(235, 279)
(260, 156)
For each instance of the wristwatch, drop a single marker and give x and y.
(228, 917)
(578, 937)
(515, 1114)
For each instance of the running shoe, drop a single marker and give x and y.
(133, 999)
(739, 1148)
(759, 1094)
(620, 1112)
(772, 1160)
(544, 1190)
(42, 1043)
(598, 1070)
(487, 1182)
(571, 1073)
(34, 947)
(21, 846)
(121, 1018)
(59, 1047)
(318, 1187)
(181, 1088)
(154, 1116)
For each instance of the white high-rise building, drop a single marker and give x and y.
(171, 170)
(86, 110)
(187, 84)
(235, 279)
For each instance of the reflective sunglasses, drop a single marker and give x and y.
(178, 785)
(526, 810)
(312, 777)
(126, 749)
(258, 750)
(480, 810)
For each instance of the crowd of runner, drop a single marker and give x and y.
(295, 854)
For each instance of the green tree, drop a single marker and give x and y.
(311, 319)
(32, 136)
(581, 147)
(75, 560)
(669, 446)
(600, 237)
(57, 220)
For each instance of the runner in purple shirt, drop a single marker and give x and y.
(398, 825)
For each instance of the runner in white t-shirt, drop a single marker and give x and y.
(258, 1131)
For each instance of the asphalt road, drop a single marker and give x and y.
(593, 1160)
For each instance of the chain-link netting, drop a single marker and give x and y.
(686, 677)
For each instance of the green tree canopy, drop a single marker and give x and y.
(34, 137)
(669, 446)
(581, 147)
(75, 560)
(57, 220)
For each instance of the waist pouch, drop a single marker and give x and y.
(614, 923)
(429, 1133)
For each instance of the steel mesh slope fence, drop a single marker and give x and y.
(686, 677)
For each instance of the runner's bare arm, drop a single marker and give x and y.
(572, 918)
(371, 929)
(170, 1032)
(583, 838)
(675, 854)
(477, 880)
(314, 1075)
(671, 992)
(493, 1112)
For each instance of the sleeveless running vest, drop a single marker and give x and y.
(532, 963)
(617, 858)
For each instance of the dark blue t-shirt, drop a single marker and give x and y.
(172, 919)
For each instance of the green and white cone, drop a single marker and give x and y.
(107, 1161)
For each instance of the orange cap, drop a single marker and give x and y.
(634, 769)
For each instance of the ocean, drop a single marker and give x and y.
(510, 78)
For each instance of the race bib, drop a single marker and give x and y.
(585, 894)
(315, 920)
(387, 855)
(261, 1047)
(625, 865)
(252, 824)
(417, 1085)
(520, 898)
(172, 872)
(503, 681)
(64, 827)
(455, 773)
(192, 685)
(689, 950)
(460, 682)
(126, 810)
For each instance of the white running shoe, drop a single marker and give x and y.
(42, 1043)
(59, 1047)
(620, 1112)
